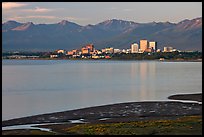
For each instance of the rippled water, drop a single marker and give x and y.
(32, 87)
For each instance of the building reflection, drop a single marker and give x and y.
(147, 80)
(134, 75)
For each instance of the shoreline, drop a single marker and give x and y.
(191, 97)
(110, 110)
(109, 114)
(187, 60)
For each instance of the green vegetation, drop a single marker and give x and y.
(157, 55)
(189, 125)
(172, 56)
(186, 125)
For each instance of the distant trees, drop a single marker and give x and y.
(157, 55)
(119, 56)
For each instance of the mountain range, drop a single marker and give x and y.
(184, 35)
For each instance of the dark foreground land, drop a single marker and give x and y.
(132, 118)
(193, 97)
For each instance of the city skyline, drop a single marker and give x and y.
(84, 13)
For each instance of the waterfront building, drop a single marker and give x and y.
(75, 51)
(143, 45)
(165, 49)
(85, 50)
(174, 50)
(103, 50)
(149, 50)
(90, 47)
(134, 48)
(108, 50)
(61, 51)
(168, 49)
(116, 50)
(95, 57)
(153, 45)
(70, 53)
(99, 52)
(158, 50)
(128, 51)
(53, 56)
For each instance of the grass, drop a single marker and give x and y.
(188, 125)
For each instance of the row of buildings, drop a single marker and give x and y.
(89, 50)
(148, 46)
(145, 46)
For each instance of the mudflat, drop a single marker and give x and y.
(193, 97)
(116, 113)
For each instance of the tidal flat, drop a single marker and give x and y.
(131, 118)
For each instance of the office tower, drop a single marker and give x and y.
(143, 45)
(90, 47)
(134, 48)
(153, 45)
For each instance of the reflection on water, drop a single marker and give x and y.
(146, 73)
(143, 77)
(35, 86)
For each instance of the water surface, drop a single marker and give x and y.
(31, 87)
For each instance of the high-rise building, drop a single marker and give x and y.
(143, 45)
(165, 49)
(85, 50)
(153, 45)
(90, 47)
(170, 49)
(134, 48)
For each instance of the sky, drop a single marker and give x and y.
(84, 13)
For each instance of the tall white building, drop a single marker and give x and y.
(153, 45)
(134, 48)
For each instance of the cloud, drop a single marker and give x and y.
(45, 17)
(18, 18)
(75, 18)
(37, 10)
(10, 5)
(127, 9)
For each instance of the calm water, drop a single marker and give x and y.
(40, 86)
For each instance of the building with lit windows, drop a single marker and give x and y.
(143, 45)
(134, 48)
(153, 45)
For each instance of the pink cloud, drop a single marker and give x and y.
(37, 10)
(10, 5)
(31, 17)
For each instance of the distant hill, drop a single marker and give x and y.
(185, 35)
